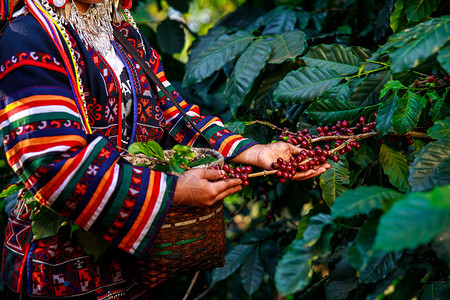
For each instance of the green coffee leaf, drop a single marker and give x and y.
(394, 166)
(330, 111)
(252, 271)
(431, 166)
(440, 129)
(335, 57)
(92, 244)
(45, 222)
(305, 85)
(314, 230)
(335, 181)
(385, 115)
(155, 150)
(304, 222)
(10, 189)
(205, 160)
(287, 46)
(411, 222)
(233, 261)
(247, 68)
(417, 10)
(362, 200)
(293, 272)
(380, 265)
(214, 57)
(407, 112)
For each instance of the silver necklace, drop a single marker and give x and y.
(94, 26)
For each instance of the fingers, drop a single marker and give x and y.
(214, 191)
(222, 186)
(294, 150)
(228, 192)
(326, 166)
(312, 172)
(210, 174)
(203, 187)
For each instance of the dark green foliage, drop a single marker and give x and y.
(326, 66)
(170, 36)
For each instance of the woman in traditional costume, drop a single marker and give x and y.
(70, 98)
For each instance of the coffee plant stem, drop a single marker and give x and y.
(416, 134)
(350, 138)
(365, 73)
(194, 280)
(380, 63)
(340, 137)
(265, 123)
(206, 291)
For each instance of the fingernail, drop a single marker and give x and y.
(222, 172)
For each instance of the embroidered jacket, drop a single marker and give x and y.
(82, 176)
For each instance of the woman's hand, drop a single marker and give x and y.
(263, 156)
(203, 187)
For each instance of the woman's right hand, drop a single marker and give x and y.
(203, 187)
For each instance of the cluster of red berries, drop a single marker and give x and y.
(240, 172)
(401, 138)
(303, 137)
(286, 170)
(432, 81)
(366, 127)
(311, 157)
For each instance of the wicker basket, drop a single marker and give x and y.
(191, 238)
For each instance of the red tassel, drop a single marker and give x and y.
(126, 4)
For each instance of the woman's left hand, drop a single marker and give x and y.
(263, 156)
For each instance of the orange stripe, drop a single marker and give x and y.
(42, 143)
(69, 166)
(168, 113)
(144, 214)
(17, 106)
(161, 75)
(227, 148)
(225, 144)
(201, 129)
(97, 197)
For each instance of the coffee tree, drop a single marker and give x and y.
(375, 224)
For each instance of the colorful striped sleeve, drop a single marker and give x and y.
(79, 175)
(228, 143)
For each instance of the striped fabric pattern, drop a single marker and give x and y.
(47, 126)
(6, 9)
(79, 175)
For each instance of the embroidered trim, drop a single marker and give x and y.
(38, 59)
